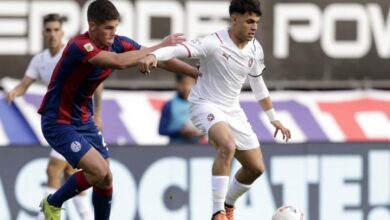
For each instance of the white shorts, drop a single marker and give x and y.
(205, 115)
(56, 155)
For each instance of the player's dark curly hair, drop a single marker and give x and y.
(101, 11)
(243, 6)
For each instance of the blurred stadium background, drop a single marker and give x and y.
(328, 66)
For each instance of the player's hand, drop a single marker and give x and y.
(146, 64)
(11, 96)
(279, 127)
(172, 40)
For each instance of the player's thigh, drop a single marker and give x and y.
(56, 165)
(251, 159)
(205, 115)
(94, 164)
(244, 136)
(221, 135)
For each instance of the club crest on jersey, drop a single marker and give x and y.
(250, 62)
(75, 146)
(88, 47)
(210, 117)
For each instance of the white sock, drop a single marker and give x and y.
(219, 186)
(236, 189)
(83, 206)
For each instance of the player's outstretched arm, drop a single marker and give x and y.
(130, 58)
(20, 89)
(149, 62)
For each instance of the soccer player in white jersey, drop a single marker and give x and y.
(227, 58)
(41, 68)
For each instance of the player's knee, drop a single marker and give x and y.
(257, 171)
(53, 171)
(69, 171)
(226, 149)
(98, 175)
(106, 182)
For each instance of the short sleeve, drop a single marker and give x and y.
(259, 67)
(123, 44)
(202, 47)
(83, 50)
(32, 70)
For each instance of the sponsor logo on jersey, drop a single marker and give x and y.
(75, 146)
(88, 47)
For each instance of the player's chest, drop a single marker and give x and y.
(46, 67)
(236, 62)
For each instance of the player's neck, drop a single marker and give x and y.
(97, 43)
(55, 50)
(239, 43)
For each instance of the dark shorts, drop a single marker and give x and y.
(73, 141)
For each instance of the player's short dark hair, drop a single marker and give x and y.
(53, 17)
(243, 6)
(101, 11)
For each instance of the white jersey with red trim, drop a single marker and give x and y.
(42, 65)
(223, 68)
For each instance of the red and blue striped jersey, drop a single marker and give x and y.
(68, 99)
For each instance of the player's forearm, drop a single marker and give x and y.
(130, 58)
(22, 87)
(167, 53)
(97, 100)
(177, 66)
(267, 106)
(266, 103)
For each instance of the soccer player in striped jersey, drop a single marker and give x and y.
(87, 60)
(40, 68)
(227, 58)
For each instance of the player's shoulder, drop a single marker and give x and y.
(218, 37)
(81, 44)
(39, 57)
(81, 40)
(256, 47)
(209, 41)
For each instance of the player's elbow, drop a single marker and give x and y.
(120, 64)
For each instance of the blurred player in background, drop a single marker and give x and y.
(175, 117)
(227, 58)
(87, 60)
(41, 68)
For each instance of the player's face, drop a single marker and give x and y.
(185, 85)
(53, 34)
(105, 32)
(245, 25)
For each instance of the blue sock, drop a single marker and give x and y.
(73, 186)
(101, 199)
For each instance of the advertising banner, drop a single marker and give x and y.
(133, 117)
(326, 181)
